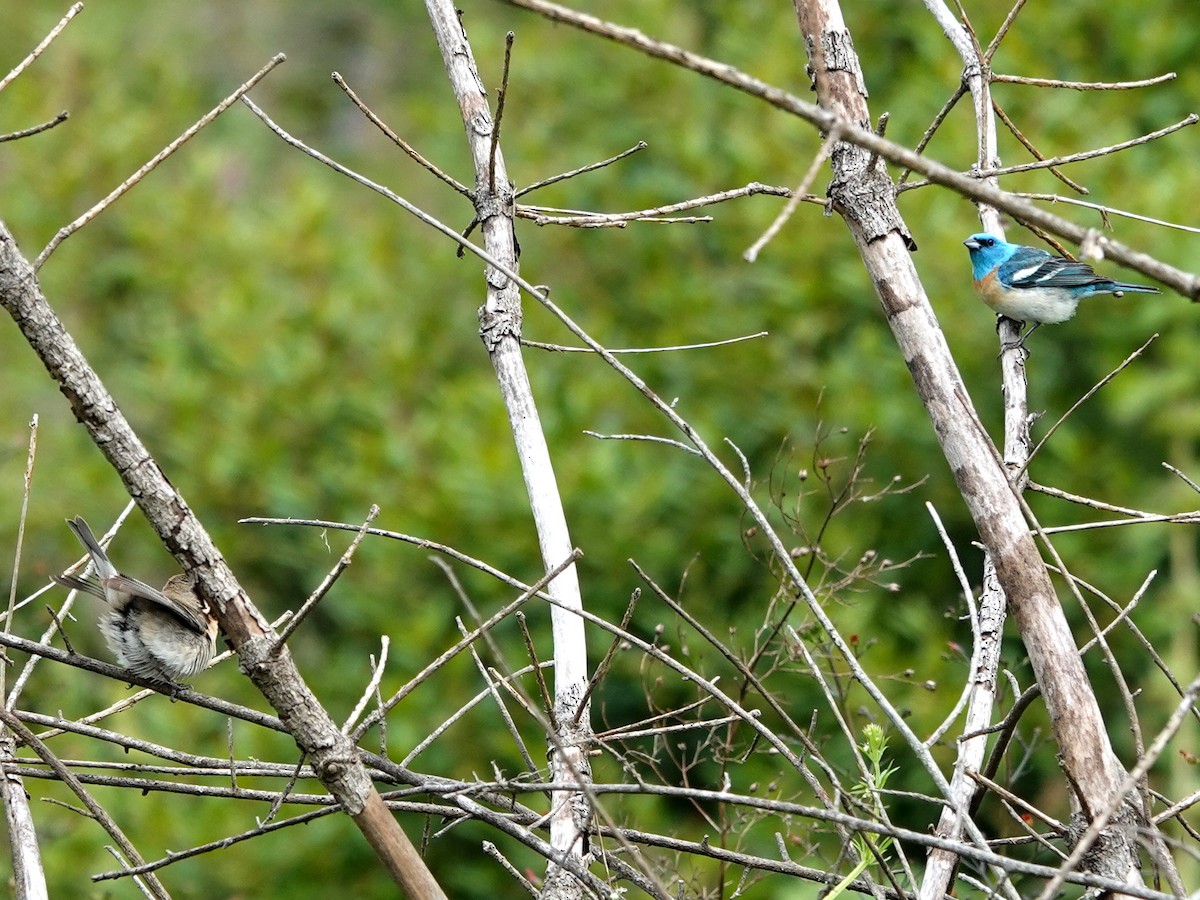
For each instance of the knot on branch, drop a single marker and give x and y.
(497, 324)
(863, 191)
(1115, 852)
(491, 202)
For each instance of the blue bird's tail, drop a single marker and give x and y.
(1122, 287)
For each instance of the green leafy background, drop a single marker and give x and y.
(288, 343)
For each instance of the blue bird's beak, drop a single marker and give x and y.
(971, 244)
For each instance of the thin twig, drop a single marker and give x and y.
(1109, 211)
(972, 617)
(40, 48)
(1037, 154)
(1074, 406)
(602, 669)
(1001, 791)
(986, 56)
(590, 167)
(493, 680)
(397, 140)
(490, 681)
(285, 793)
(798, 194)
(36, 129)
(1124, 613)
(145, 868)
(539, 675)
(649, 438)
(501, 96)
(323, 588)
(1191, 119)
(64, 233)
(535, 590)
(558, 348)
(1084, 85)
(935, 125)
(657, 214)
(491, 850)
(423, 543)
(1191, 518)
(372, 686)
(22, 517)
(1188, 481)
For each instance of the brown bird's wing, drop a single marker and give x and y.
(187, 613)
(90, 585)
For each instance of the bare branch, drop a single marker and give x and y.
(558, 348)
(40, 48)
(987, 55)
(1189, 120)
(36, 129)
(1110, 211)
(1083, 85)
(372, 686)
(397, 140)
(26, 485)
(619, 220)
(66, 232)
(798, 194)
(649, 438)
(501, 96)
(1091, 392)
(590, 167)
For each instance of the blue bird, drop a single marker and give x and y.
(1031, 285)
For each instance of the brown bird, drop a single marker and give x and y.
(162, 635)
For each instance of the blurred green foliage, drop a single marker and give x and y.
(290, 344)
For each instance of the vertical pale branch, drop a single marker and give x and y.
(500, 320)
(863, 194)
(941, 864)
(29, 879)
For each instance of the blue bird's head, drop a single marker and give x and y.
(987, 252)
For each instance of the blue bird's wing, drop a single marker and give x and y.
(1032, 268)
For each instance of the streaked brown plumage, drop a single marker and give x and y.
(162, 635)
